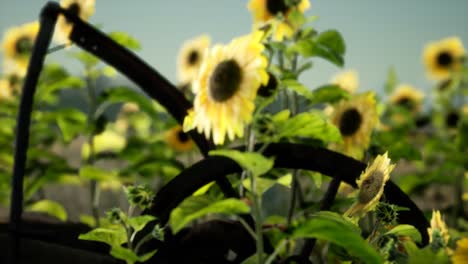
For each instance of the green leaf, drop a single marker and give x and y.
(329, 94)
(70, 82)
(93, 173)
(333, 227)
(88, 60)
(49, 207)
(139, 222)
(308, 124)
(125, 40)
(121, 94)
(113, 237)
(251, 161)
(125, 254)
(198, 206)
(299, 88)
(328, 45)
(406, 230)
(425, 255)
(296, 18)
(71, 122)
(262, 184)
(333, 40)
(392, 80)
(203, 189)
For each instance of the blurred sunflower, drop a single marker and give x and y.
(190, 58)
(18, 43)
(82, 8)
(264, 11)
(371, 185)
(356, 119)
(461, 253)
(226, 86)
(408, 97)
(438, 230)
(107, 141)
(442, 57)
(178, 139)
(5, 89)
(347, 80)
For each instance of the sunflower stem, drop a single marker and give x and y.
(257, 201)
(94, 185)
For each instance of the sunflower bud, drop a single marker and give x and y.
(140, 195)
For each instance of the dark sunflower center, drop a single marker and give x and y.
(225, 80)
(276, 6)
(350, 122)
(444, 59)
(370, 187)
(406, 103)
(452, 119)
(268, 89)
(182, 137)
(439, 196)
(193, 57)
(24, 45)
(74, 9)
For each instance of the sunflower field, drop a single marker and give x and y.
(241, 160)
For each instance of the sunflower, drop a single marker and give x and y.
(442, 57)
(18, 43)
(438, 230)
(371, 185)
(178, 139)
(347, 80)
(408, 97)
(461, 253)
(107, 141)
(264, 11)
(190, 58)
(355, 118)
(82, 8)
(5, 89)
(226, 86)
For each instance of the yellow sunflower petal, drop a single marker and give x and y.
(265, 11)
(442, 57)
(371, 185)
(356, 118)
(438, 225)
(190, 58)
(226, 87)
(17, 47)
(460, 255)
(347, 80)
(83, 8)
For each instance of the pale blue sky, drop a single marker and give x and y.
(378, 33)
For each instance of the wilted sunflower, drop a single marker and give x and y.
(438, 229)
(347, 80)
(442, 57)
(5, 89)
(178, 139)
(461, 253)
(226, 86)
(408, 97)
(82, 8)
(371, 185)
(190, 58)
(18, 43)
(264, 11)
(355, 118)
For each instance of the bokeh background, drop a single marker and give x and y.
(378, 34)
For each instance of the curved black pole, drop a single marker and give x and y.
(147, 78)
(48, 17)
(294, 156)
